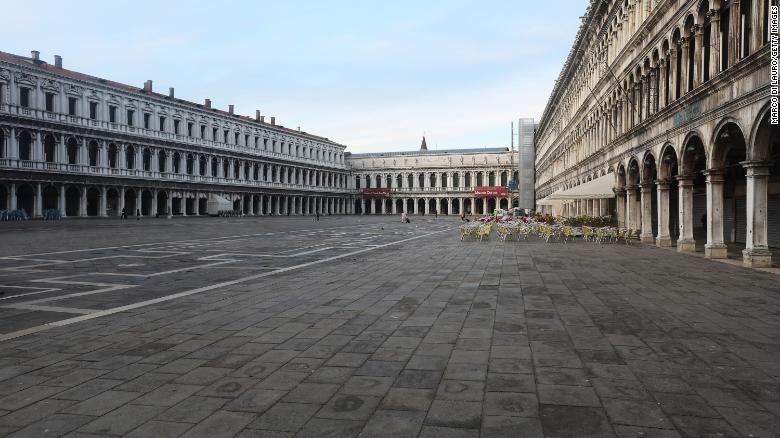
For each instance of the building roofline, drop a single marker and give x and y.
(41, 65)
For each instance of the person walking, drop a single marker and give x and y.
(318, 216)
(124, 214)
(138, 214)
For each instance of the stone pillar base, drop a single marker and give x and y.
(647, 239)
(663, 242)
(715, 251)
(757, 258)
(686, 246)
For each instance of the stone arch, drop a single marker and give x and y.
(51, 197)
(25, 199)
(25, 142)
(49, 148)
(728, 144)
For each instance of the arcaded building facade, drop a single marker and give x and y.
(92, 147)
(670, 100)
(445, 182)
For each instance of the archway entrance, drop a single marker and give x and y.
(162, 203)
(112, 202)
(456, 206)
(693, 198)
(399, 205)
(358, 207)
(491, 205)
(421, 206)
(444, 207)
(93, 201)
(72, 201)
(25, 199)
(130, 206)
(432, 208)
(668, 198)
(146, 203)
(51, 198)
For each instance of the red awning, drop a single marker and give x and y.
(490, 191)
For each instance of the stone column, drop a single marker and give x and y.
(138, 204)
(735, 33)
(427, 206)
(662, 89)
(647, 213)
(715, 42)
(12, 198)
(715, 248)
(758, 23)
(756, 253)
(686, 243)
(61, 200)
(83, 202)
(684, 67)
(631, 214)
(663, 239)
(104, 201)
(698, 72)
(154, 202)
(653, 95)
(673, 73)
(38, 205)
(169, 206)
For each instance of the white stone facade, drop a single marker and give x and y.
(92, 147)
(433, 181)
(672, 99)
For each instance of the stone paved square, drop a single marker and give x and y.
(239, 327)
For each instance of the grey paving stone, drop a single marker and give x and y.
(168, 394)
(510, 382)
(311, 393)
(331, 375)
(101, 404)
(159, 429)
(193, 409)
(394, 424)
(408, 399)
(62, 423)
(367, 385)
(574, 421)
(347, 360)
(202, 376)
(645, 432)
(285, 417)
(255, 400)
(636, 413)
(706, 427)
(511, 404)
(511, 427)
(331, 428)
(27, 396)
(122, 420)
(33, 412)
(221, 423)
(349, 407)
(466, 371)
(228, 387)
(465, 390)
(457, 414)
(447, 432)
(568, 395)
(422, 379)
(380, 368)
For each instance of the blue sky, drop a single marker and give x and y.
(374, 75)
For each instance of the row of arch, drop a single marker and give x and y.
(440, 179)
(106, 201)
(435, 206)
(722, 189)
(130, 157)
(709, 39)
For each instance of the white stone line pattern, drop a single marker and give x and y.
(36, 329)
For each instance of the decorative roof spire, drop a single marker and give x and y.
(423, 146)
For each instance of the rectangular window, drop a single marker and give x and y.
(112, 114)
(50, 102)
(189, 129)
(72, 101)
(225, 135)
(93, 107)
(215, 134)
(162, 124)
(176, 124)
(147, 120)
(203, 131)
(1, 93)
(246, 140)
(235, 140)
(265, 143)
(24, 97)
(130, 117)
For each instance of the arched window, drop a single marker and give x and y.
(147, 159)
(112, 156)
(93, 153)
(25, 146)
(357, 182)
(72, 150)
(49, 148)
(190, 164)
(161, 159)
(378, 180)
(130, 157)
(175, 162)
